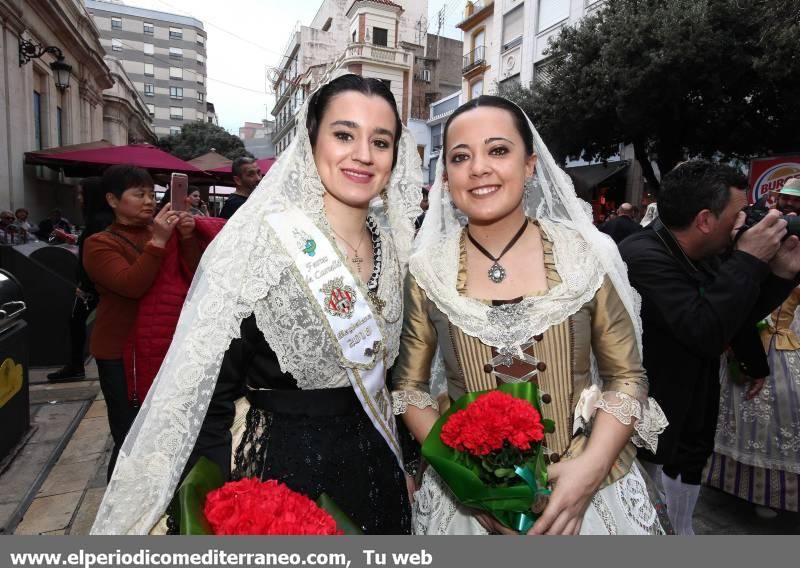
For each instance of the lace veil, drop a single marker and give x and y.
(583, 255)
(238, 270)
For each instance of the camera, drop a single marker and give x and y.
(754, 213)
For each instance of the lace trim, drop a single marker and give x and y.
(402, 398)
(650, 419)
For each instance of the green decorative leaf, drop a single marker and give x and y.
(190, 498)
(549, 425)
(343, 521)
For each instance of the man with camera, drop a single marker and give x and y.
(705, 283)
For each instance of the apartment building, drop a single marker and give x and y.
(163, 54)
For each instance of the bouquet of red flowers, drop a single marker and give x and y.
(250, 506)
(206, 505)
(488, 449)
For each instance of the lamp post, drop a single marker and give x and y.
(62, 70)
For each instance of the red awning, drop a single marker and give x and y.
(264, 163)
(93, 161)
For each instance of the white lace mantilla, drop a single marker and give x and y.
(510, 325)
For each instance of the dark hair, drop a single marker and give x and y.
(192, 189)
(693, 186)
(21, 209)
(236, 166)
(366, 86)
(520, 120)
(117, 179)
(97, 214)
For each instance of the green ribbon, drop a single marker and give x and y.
(522, 522)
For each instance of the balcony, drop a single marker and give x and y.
(475, 12)
(474, 59)
(368, 53)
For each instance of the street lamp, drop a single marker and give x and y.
(62, 70)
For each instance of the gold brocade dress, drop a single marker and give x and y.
(563, 352)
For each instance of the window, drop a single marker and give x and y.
(149, 28)
(327, 25)
(148, 69)
(151, 109)
(201, 97)
(200, 78)
(552, 12)
(149, 90)
(176, 113)
(60, 126)
(354, 37)
(425, 75)
(176, 92)
(476, 89)
(116, 45)
(174, 130)
(210, 119)
(380, 36)
(201, 40)
(175, 33)
(479, 39)
(201, 59)
(512, 27)
(116, 23)
(149, 49)
(175, 73)
(37, 120)
(176, 53)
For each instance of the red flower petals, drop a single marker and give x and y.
(492, 420)
(253, 507)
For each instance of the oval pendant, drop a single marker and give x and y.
(497, 273)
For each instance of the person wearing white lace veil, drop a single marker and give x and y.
(585, 319)
(279, 308)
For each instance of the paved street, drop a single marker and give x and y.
(55, 483)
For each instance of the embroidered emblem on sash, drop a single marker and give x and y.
(305, 242)
(339, 298)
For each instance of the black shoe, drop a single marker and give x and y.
(66, 374)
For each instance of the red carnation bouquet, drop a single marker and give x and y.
(204, 505)
(488, 449)
(250, 506)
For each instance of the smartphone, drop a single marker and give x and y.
(179, 187)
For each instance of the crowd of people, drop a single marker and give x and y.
(320, 319)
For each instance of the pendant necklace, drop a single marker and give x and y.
(496, 272)
(355, 260)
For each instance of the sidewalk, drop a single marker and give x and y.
(55, 482)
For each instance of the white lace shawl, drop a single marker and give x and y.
(583, 257)
(244, 271)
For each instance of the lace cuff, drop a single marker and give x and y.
(650, 419)
(402, 398)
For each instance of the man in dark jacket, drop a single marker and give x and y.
(246, 176)
(695, 305)
(623, 225)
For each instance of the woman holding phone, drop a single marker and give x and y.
(123, 261)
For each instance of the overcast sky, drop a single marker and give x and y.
(245, 37)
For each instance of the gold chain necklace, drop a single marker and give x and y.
(356, 260)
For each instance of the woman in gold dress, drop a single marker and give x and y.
(527, 290)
